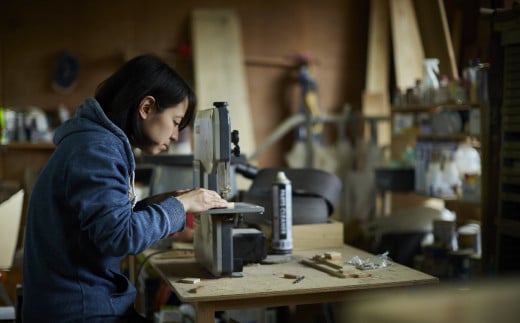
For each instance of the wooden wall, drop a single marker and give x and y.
(102, 34)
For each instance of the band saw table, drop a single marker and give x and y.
(264, 285)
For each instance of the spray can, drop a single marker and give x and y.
(282, 215)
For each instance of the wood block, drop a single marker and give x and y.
(195, 289)
(376, 104)
(178, 245)
(317, 236)
(190, 280)
(333, 255)
(291, 276)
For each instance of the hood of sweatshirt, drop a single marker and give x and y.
(91, 117)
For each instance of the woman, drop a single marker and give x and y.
(83, 218)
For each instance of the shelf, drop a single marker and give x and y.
(435, 137)
(411, 128)
(462, 202)
(454, 137)
(508, 145)
(511, 128)
(23, 145)
(472, 140)
(432, 108)
(510, 197)
(409, 121)
(450, 200)
(512, 120)
(509, 171)
(509, 227)
(513, 180)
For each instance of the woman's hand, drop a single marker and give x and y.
(201, 199)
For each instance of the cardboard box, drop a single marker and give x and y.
(317, 236)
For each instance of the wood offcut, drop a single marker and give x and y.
(195, 289)
(189, 280)
(326, 262)
(328, 270)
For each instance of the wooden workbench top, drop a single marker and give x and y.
(267, 280)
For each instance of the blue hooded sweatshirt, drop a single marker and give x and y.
(81, 224)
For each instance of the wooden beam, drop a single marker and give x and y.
(406, 40)
(436, 37)
(378, 48)
(376, 98)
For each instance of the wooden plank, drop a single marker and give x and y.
(376, 104)
(378, 48)
(436, 38)
(219, 68)
(407, 45)
(376, 98)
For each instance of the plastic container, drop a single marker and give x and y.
(430, 80)
(282, 243)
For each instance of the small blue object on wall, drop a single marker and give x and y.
(66, 72)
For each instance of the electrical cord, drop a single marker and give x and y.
(145, 260)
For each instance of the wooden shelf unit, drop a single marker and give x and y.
(466, 210)
(508, 218)
(17, 157)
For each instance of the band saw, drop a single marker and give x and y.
(214, 229)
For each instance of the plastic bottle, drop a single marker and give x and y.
(430, 79)
(451, 177)
(282, 215)
(3, 129)
(434, 179)
(443, 94)
(467, 160)
(473, 70)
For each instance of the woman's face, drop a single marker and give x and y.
(160, 128)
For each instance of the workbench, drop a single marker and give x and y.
(264, 285)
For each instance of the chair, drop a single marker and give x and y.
(10, 217)
(12, 231)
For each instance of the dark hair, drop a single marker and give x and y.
(120, 94)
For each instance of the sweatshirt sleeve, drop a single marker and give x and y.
(98, 190)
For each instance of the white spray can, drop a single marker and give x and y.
(282, 215)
